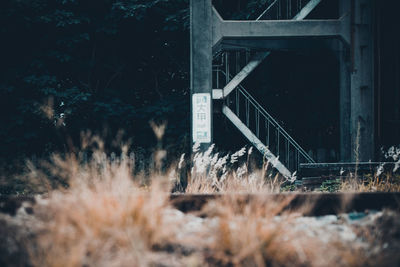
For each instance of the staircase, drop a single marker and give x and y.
(246, 114)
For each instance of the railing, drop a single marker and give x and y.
(231, 62)
(245, 107)
(283, 9)
(265, 127)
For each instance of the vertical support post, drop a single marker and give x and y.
(201, 71)
(345, 96)
(362, 81)
(345, 106)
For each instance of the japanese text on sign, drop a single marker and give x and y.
(201, 106)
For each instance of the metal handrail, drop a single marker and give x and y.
(301, 10)
(271, 120)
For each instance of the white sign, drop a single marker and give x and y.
(201, 106)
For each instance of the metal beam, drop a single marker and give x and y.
(217, 94)
(256, 142)
(345, 91)
(269, 44)
(362, 82)
(303, 45)
(259, 57)
(254, 62)
(305, 11)
(278, 29)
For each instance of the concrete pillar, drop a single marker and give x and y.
(362, 81)
(345, 108)
(201, 69)
(345, 85)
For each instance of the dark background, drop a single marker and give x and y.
(105, 65)
(111, 64)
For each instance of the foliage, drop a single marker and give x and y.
(72, 65)
(91, 65)
(289, 188)
(331, 185)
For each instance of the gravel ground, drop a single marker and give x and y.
(373, 234)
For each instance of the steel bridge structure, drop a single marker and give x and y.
(225, 52)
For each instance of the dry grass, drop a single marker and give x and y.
(246, 234)
(258, 232)
(109, 224)
(251, 183)
(372, 183)
(381, 181)
(233, 173)
(100, 214)
(97, 211)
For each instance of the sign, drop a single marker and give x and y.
(201, 110)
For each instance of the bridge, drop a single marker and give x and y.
(225, 52)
